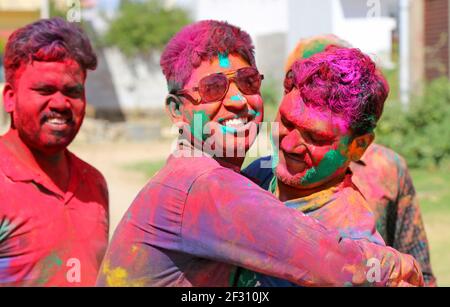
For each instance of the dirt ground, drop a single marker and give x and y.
(111, 159)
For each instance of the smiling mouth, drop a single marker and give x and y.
(235, 122)
(58, 121)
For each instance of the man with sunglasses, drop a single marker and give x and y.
(381, 175)
(198, 217)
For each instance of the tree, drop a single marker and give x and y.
(142, 27)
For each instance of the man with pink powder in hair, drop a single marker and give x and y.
(199, 218)
(380, 175)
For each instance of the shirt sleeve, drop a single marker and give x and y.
(410, 236)
(227, 218)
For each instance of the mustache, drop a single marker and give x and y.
(66, 115)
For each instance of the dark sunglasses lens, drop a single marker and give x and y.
(212, 88)
(248, 80)
(289, 82)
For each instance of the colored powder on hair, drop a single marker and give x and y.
(224, 61)
(315, 48)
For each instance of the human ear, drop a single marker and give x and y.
(9, 98)
(359, 145)
(174, 108)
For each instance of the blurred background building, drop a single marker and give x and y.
(124, 85)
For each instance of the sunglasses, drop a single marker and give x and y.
(214, 87)
(289, 82)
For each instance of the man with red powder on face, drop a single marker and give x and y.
(198, 218)
(53, 206)
(381, 176)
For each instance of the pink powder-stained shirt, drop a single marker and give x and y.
(341, 207)
(383, 178)
(50, 238)
(196, 220)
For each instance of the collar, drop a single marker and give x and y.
(17, 171)
(316, 200)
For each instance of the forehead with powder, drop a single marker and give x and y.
(202, 41)
(314, 118)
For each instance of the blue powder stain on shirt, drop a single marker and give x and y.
(5, 277)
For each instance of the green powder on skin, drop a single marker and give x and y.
(330, 163)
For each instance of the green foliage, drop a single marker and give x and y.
(421, 133)
(56, 11)
(2, 45)
(143, 26)
(271, 94)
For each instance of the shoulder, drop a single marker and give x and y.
(90, 177)
(179, 173)
(386, 156)
(86, 170)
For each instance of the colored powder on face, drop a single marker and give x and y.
(254, 113)
(198, 124)
(315, 48)
(236, 98)
(330, 163)
(230, 130)
(224, 61)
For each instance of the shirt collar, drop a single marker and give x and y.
(316, 200)
(17, 171)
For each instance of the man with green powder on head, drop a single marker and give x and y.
(198, 217)
(380, 175)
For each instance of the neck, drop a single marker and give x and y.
(234, 163)
(53, 166)
(231, 162)
(287, 192)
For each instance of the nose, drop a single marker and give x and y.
(293, 143)
(59, 102)
(234, 99)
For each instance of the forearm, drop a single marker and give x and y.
(252, 229)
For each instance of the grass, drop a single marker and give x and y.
(146, 168)
(432, 188)
(433, 191)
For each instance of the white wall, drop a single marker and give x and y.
(356, 24)
(141, 87)
(308, 18)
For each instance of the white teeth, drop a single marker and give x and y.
(236, 122)
(57, 121)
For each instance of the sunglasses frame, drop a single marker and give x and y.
(230, 76)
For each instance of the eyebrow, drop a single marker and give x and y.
(41, 84)
(77, 86)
